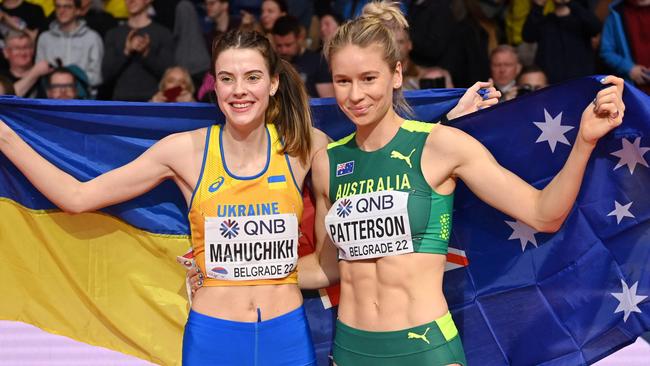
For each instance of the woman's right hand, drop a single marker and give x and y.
(195, 279)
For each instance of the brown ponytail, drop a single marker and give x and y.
(288, 109)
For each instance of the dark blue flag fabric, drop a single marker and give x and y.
(572, 297)
(525, 298)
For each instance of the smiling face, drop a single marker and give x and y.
(364, 83)
(243, 86)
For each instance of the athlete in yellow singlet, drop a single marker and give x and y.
(241, 182)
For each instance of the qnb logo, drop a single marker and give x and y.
(229, 229)
(344, 208)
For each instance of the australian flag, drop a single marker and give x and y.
(344, 168)
(569, 298)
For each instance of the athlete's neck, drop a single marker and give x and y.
(245, 148)
(376, 135)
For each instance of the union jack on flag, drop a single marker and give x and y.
(344, 168)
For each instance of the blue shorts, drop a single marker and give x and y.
(284, 340)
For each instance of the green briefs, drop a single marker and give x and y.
(432, 344)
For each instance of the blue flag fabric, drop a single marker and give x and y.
(526, 298)
(572, 297)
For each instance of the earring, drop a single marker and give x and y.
(272, 92)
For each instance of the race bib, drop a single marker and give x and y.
(370, 225)
(251, 247)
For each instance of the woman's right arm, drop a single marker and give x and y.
(320, 268)
(115, 186)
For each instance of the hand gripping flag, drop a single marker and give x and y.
(525, 298)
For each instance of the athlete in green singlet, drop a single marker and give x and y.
(384, 195)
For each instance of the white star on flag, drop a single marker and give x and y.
(621, 211)
(631, 154)
(522, 232)
(552, 130)
(628, 300)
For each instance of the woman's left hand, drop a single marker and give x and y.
(605, 113)
(479, 96)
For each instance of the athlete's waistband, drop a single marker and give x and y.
(197, 319)
(404, 341)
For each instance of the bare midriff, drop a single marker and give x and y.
(392, 293)
(240, 303)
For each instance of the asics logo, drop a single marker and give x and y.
(398, 155)
(422, 336)
(216, 185)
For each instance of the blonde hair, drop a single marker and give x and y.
(377, 25)
(187, 79)
(289, 108)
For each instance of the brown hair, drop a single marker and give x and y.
(288, 109)
(377, 25)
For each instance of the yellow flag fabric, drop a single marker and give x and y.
(114, 286)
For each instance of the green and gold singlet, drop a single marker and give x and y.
(382, 204)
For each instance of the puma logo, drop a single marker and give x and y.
(422, 336)
(398, 155)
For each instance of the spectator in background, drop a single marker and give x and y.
(625, 41)
(175, 86)
(72, 42)
(271, 11)
(6, 86)
(137, 54)
(189, 44)
(448, 34)
(504, 68)
(312, 67)
(329, 22)
(61, 84)
(23, 73)
(92, 11)
(563, 39)
(221, 21)
(433, 78)
(531, 78)
(23, 16)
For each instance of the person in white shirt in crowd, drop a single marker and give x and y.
(71, 41)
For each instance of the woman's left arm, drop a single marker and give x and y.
(544, 210)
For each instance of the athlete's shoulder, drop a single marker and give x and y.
(319, 139)
(450, 141)
(418, 126)
(340, 142)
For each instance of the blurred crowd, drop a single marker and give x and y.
(159, 50)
